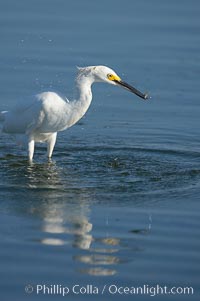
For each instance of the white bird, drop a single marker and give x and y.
(48, 113)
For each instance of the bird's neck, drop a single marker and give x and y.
(83, 99)
(84, 93)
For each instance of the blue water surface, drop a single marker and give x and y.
(118, 205)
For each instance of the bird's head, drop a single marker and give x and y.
(107, 75)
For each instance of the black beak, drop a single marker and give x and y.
(132, 89)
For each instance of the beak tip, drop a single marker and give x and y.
(144, 96)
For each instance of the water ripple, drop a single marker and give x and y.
(109, 170)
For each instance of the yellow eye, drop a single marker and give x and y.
(110, 76)
(113, 77)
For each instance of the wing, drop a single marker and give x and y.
(24, 117)
(46, 113)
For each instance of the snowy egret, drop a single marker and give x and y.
(48, 113)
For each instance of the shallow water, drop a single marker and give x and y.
(119, 202)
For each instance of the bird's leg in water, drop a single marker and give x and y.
(31, 145)
(50, 144)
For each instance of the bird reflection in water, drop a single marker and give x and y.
(41, 176)
(70, 222)
(65, 210)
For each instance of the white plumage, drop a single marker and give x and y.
(47, 113)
